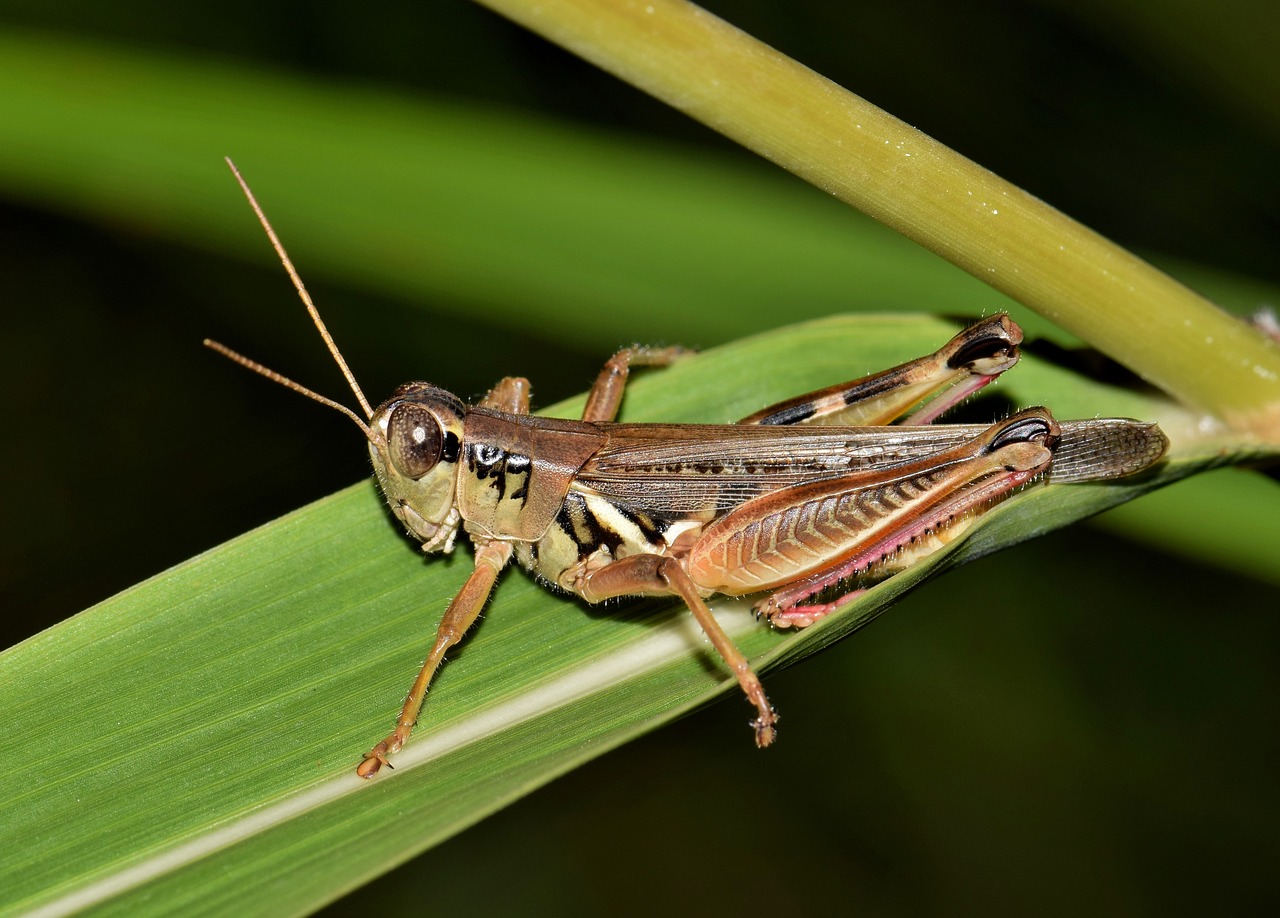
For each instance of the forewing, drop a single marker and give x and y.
(692, 468)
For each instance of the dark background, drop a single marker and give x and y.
(1103, 742)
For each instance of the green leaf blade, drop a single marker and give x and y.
(200, 731)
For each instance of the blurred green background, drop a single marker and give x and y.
(1082, 723)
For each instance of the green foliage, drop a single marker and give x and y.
(242, 685)
(233, 694)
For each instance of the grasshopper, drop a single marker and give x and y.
(801, 503)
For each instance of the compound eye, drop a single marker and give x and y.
(414, 440)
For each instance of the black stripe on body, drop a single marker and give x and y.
(451, 447)
(519, 465)
(486, 461)
(792, 414)
(584, 527)
(651, 528)
(827, 401)
(876, 385)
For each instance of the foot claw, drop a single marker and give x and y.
(796, 618)
(374, 759)
(766, 728)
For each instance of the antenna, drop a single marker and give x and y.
(287, 383)
(315, 317)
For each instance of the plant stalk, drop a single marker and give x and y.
(846, 146)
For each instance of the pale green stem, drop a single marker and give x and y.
(910, 182)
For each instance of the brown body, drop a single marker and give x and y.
(793, 503)
(799, 502)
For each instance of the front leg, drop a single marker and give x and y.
(491, 557)
(951, 374)
(511, 395)
(658, 575)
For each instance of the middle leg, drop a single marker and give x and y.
(658, 575)
(606, 393)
